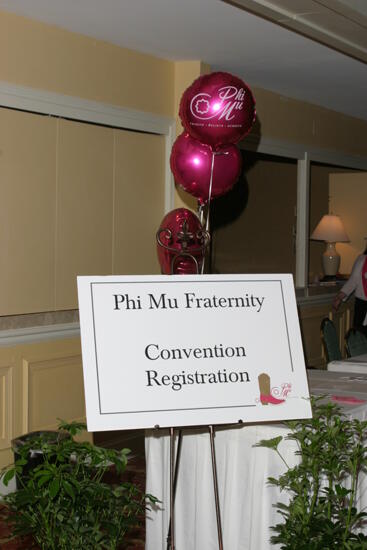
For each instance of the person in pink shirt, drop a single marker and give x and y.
(356, 283)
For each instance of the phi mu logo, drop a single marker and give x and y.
(272, 395)
(283, 391)
(229, 99)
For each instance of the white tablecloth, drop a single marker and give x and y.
(358, 363)
(246, 501)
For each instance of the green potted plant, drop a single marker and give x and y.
(65, 501)
(321, 513)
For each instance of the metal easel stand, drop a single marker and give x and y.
(202, 239)
(174, 468)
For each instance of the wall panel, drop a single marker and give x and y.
(139, 201)
(254, 223)
(10, 403)
(62, 381)
(84, 207)
(27, 211)
(39, 384)
(77, 199)
(6, 404)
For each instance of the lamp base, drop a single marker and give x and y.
(330, 260)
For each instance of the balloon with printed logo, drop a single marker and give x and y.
(191, 164)
(218, 109)
(181, 243)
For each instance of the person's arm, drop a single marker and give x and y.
(338, 300)
(350, 285)
(354, 278)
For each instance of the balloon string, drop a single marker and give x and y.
(210, 191)
(203, 263)
(214, 153)
(209, 199)
(201, 213)
(211, 184)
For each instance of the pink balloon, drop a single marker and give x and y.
(191, 163)
(181, 243)
(217, 109)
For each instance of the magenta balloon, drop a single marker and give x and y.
(170, 233)
(218, 109)
(191, 163)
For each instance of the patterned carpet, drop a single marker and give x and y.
(134, 473)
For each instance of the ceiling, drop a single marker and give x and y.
(263, 50)
(341, 24)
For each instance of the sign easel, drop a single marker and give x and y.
(188, 351)
(174, 469)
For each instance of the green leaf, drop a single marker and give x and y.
(54, 487)
(21, 462)
(72, 427)
(42, 480)
(41, 473)
(270, 443)
(8, 476)
(341, 491)
(69, 489)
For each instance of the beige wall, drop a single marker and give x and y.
(85, 199)
(348, 199)
(185, 74)
(78, 199)
(319, 205)
(58, 219)
(261, 238)
(241, 245)
(139, 202)
(287, 119)
(48, 58)
(27, 168)
(39, 384)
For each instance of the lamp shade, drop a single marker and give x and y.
(330, 229)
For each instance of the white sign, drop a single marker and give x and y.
(190, 350)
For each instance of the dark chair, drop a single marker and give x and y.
(356, 342)
(330, 339)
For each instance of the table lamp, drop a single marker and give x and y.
(331, 230)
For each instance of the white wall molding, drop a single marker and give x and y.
(297, 151)
(76, 108)
(169, 195)
(84, 110)
(32, 335)
(303, 192)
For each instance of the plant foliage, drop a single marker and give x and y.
(64, 502)
(321, 513)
